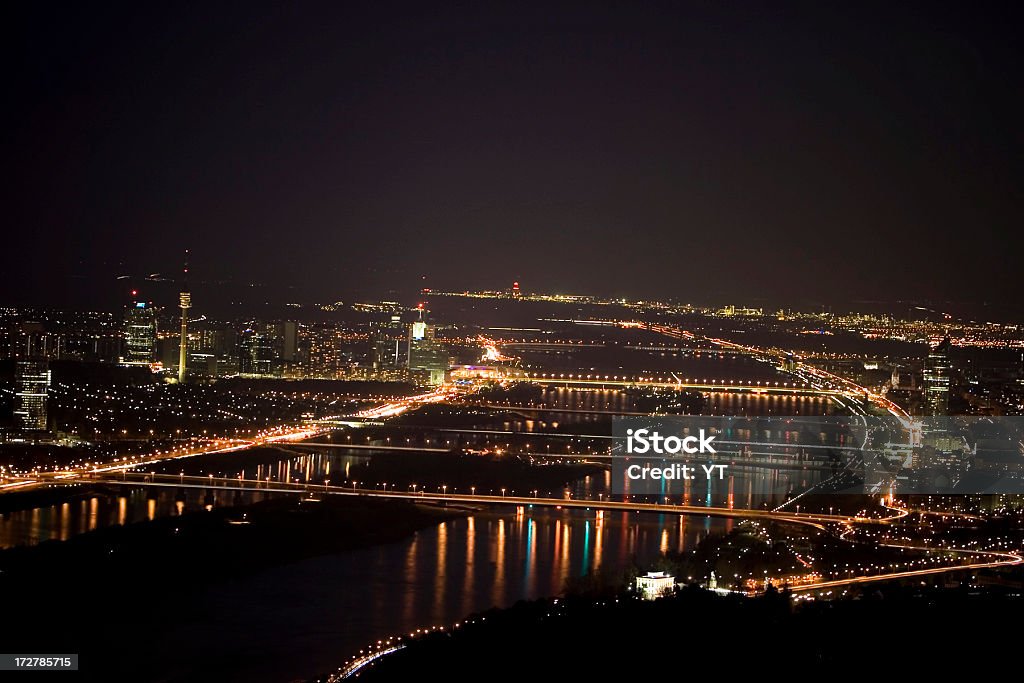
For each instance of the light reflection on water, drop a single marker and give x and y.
(63, 520)
(319, 611)
(574, 400)
(304, 618)
(742, 488)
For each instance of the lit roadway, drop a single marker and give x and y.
(988, 559)
(665, 383)
(823, 381)
(393, 408)
(281, 434)
(239, 484)
(127, 463)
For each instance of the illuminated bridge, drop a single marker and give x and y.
(239, 484)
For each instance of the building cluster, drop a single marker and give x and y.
(30, 339)
(404, 346)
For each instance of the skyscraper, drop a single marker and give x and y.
(387, 340)
(937, 370)
(426, 353)
(32, 382)
(257, 356)
(139, 334)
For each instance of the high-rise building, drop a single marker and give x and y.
(937, 374)
(212, 348)
(387, 340)
(32, 383)
(288, 340)
(269, 349)
(257, 356)
(321, 351)
(426, 353)
(139, 334)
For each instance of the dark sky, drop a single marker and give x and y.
(720, 151)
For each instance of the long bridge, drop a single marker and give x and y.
(685, 384)
(210, 482)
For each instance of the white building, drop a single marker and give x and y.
(655, 584)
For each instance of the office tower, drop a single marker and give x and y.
(257, 356)
(139, 334)
(387, 340)
(426, 353)
(32, 382)
(288, 340)
(937, 371)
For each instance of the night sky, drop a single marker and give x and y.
(783, 153)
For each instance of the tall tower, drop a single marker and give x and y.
(185, 300)
(937, 371)
(139, 333)
(32, 383)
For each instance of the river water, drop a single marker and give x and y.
(296, 621)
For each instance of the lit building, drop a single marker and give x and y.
(288, 340)
(387, 344)
(655, 585)
(323, 357)
(139, 334)
(269, 349)
(937, 371)
(213, 348)
(256, 353)
(32, 383)
(426, 354)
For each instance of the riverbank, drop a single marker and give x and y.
(698, 632)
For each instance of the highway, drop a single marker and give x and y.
(283, 434)
(707, 386)
(272, 436)
(819, 381)
(993, 559)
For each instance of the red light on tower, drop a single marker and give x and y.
(515, 290)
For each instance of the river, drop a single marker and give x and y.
(295, 621)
